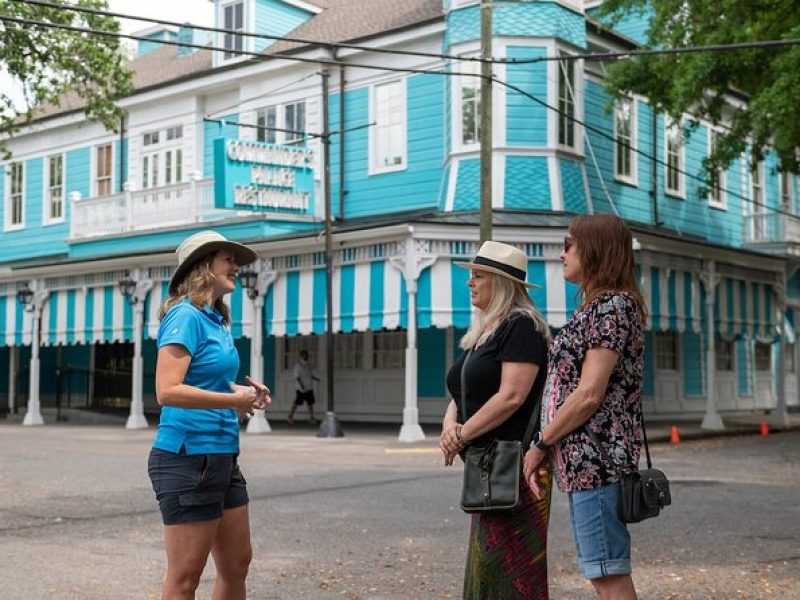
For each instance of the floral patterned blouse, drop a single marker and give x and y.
(610, 321)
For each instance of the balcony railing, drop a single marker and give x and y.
(143, 210)
(770, 228)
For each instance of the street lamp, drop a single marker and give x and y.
(256, 279)
(32, 300)
(135, 289)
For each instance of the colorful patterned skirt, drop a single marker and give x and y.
(507, 557)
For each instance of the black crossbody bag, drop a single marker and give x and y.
(492, 474)
(643, 492)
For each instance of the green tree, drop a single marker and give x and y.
(764, 82)
(50, 63)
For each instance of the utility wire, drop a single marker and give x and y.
(592, 56)
(266, 56)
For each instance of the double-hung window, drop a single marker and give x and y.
(716, 184)
(470, 87)
(266, 122)
(54, 198)
(16, 199)
(389, 132)
(724, 355)
(388, 349)
(675, 160)
(295, 122)
(233, 20)
(566, 103)
(103, 170)
(162, 157)
(625, 140)
(666, 346)
(763, 356)
(786, 190)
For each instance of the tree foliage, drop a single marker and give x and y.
(50, 63)
(753, 94)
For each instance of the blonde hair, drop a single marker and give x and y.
(509, 298)
(198, 287)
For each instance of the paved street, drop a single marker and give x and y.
(365, 517)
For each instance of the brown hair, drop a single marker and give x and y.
(605, 248)
(198, 287)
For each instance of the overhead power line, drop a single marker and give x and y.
(436, 71)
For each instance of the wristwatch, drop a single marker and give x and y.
(538, 442)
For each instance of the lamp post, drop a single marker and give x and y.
(256, 279)
(32, 298)
(135, 289)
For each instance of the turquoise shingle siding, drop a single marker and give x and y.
(419, 184)
(633, 25)
(274, 17)
(530, 19)
(526, 121)
(527, 183)
(572, 187)
(468, 185)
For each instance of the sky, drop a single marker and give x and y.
(198, 12)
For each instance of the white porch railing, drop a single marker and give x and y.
(770, 228)
(143, 210)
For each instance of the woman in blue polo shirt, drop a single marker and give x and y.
(199, 487)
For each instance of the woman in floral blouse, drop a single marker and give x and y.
(592, 406)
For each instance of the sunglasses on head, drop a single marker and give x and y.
(568, 243)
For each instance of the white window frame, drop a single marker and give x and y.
(349, 350)
(786, 191)
(47, 204)
(95, 172)
(658, 350)
(8, 225)
(273, 133)
(757, 204)
(721, 202)
(757, 354)
(234, 53)
(571, 89)
(632, 178)
(389, 349)
(375, 166)
(458, 106)
(680, 191)
(288, 137)
(717, 354)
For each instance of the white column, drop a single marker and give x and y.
(33, 416)
(711, 420)
(13, 357)
(780, 419)
(136, 418)
(258, 422)
(411, 265)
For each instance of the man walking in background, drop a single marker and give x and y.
(304, 377)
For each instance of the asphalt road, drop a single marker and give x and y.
(366, 518)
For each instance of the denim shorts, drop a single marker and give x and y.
(602, 541)
(195, 488)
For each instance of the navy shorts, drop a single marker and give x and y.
(306, 397)
(198, 487)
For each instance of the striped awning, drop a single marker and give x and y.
(745, 308)
(673, 299)
(15, 323)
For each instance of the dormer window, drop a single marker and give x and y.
(233, 19)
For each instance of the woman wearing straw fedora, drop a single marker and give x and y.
(503, 363)
(193, 464)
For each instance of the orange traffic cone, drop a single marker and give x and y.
(764, 428)
(674, 436)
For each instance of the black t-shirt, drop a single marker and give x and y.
(516, 340)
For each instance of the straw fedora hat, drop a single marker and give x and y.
(501, 259)
(199, 246)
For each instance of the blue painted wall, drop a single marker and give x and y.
(527, 183)
(530, 19)
(431, 363)
(693, 363)
(212, 131)
(633, 25)
(274, 17)
(526, 121)
(419, 184)
(572, 188)
(468, 185)
(152, 43)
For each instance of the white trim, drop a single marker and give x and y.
(458, 144)
(46, 220)
(792, 200)
(451, 186)
(93, 166)
(556, 193)
(633, 178)
(303, 6)
(722, 203)
(681, 192)
(7, 225)
(498, 180)
(577, 100)
(373, 167)
(248, 43)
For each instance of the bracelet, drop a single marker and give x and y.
(458, 434)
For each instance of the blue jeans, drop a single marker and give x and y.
(602, 541)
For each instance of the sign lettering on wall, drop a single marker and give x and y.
(254, 175)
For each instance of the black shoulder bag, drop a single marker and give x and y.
(643, 493)
(492, 474)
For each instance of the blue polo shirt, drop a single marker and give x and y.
(215, 363)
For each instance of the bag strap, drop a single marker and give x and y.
(605, 455)
(526, 440)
